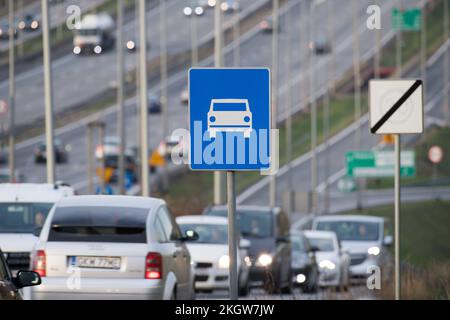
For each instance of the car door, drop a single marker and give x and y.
(180, 253)
(8, 290)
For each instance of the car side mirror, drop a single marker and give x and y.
(283, 239)
(388, 241)
(37, 231)
(313, 249)
(190, 235)
(27, 279)
(244, 244)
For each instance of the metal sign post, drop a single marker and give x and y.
(232, 239)
(397, 217)
(396, 107)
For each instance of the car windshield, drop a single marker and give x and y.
(207, 233)
(99, 224)
(351, 230)
(87, 32)
(235, 106)
(323, 244)
(256, 224)
(22, 217)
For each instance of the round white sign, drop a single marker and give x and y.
(435, 154)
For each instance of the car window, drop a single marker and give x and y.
(23, 217)
(99, 224)
(160, 235)
(207, 233)
(170, 228)
(298, 243)
(351, 230)
(258, 224)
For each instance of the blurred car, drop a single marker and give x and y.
(11, 285)
(40, 152)
(365, 238)
(230, 115)
(184, 96)
(4, 31)
(5, 176)
(229, 6)
(23, 210)
(28, 23)
(320, 45)
(304, 265)
(267, 229)
(111, 144)
(131, 166)
(210, 254)
(266, 25)
(123, 248)
(333, 262)
(154, 103)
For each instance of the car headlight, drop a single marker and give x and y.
(327, 264)
(212, 3)
(98, 49)
(34, 24)
(76, 50)
(248, 261)
(131, 45)
(198, 11)
(212, 119)
(264, 260)
(300, 278)
(374, 251)
(187, 11)
(224, 262)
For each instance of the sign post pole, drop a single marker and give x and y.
(397, 218)
(232, 240)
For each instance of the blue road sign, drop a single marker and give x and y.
(229, 118)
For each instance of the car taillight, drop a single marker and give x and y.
(153, 266)
(39, 263)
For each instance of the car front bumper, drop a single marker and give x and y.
(211, 279)
(62, 288)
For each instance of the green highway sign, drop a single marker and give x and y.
(407, 20)
(379, 164)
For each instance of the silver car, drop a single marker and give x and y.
(366, 238)
(112, 247)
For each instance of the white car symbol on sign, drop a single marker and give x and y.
(229, 115)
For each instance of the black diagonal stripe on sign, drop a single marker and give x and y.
(396, 106)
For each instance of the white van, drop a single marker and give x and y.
(23, 209)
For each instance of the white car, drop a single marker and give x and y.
(210, 254)
(229, 115)
(333, 262)
(23, 210)
(362, 236)
(112, 247)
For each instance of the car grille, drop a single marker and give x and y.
(203, 265)
(356, 259)
(18, 260)
(221, 278)
(200, 278)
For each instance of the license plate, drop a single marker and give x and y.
(95, 262)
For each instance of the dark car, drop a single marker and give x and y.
(10, 285)
(40, 155)
(320, 45)
(154, 104)
(304, 264)
(4, 31)
(267, 228)
(28, 23)
(131, 166)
